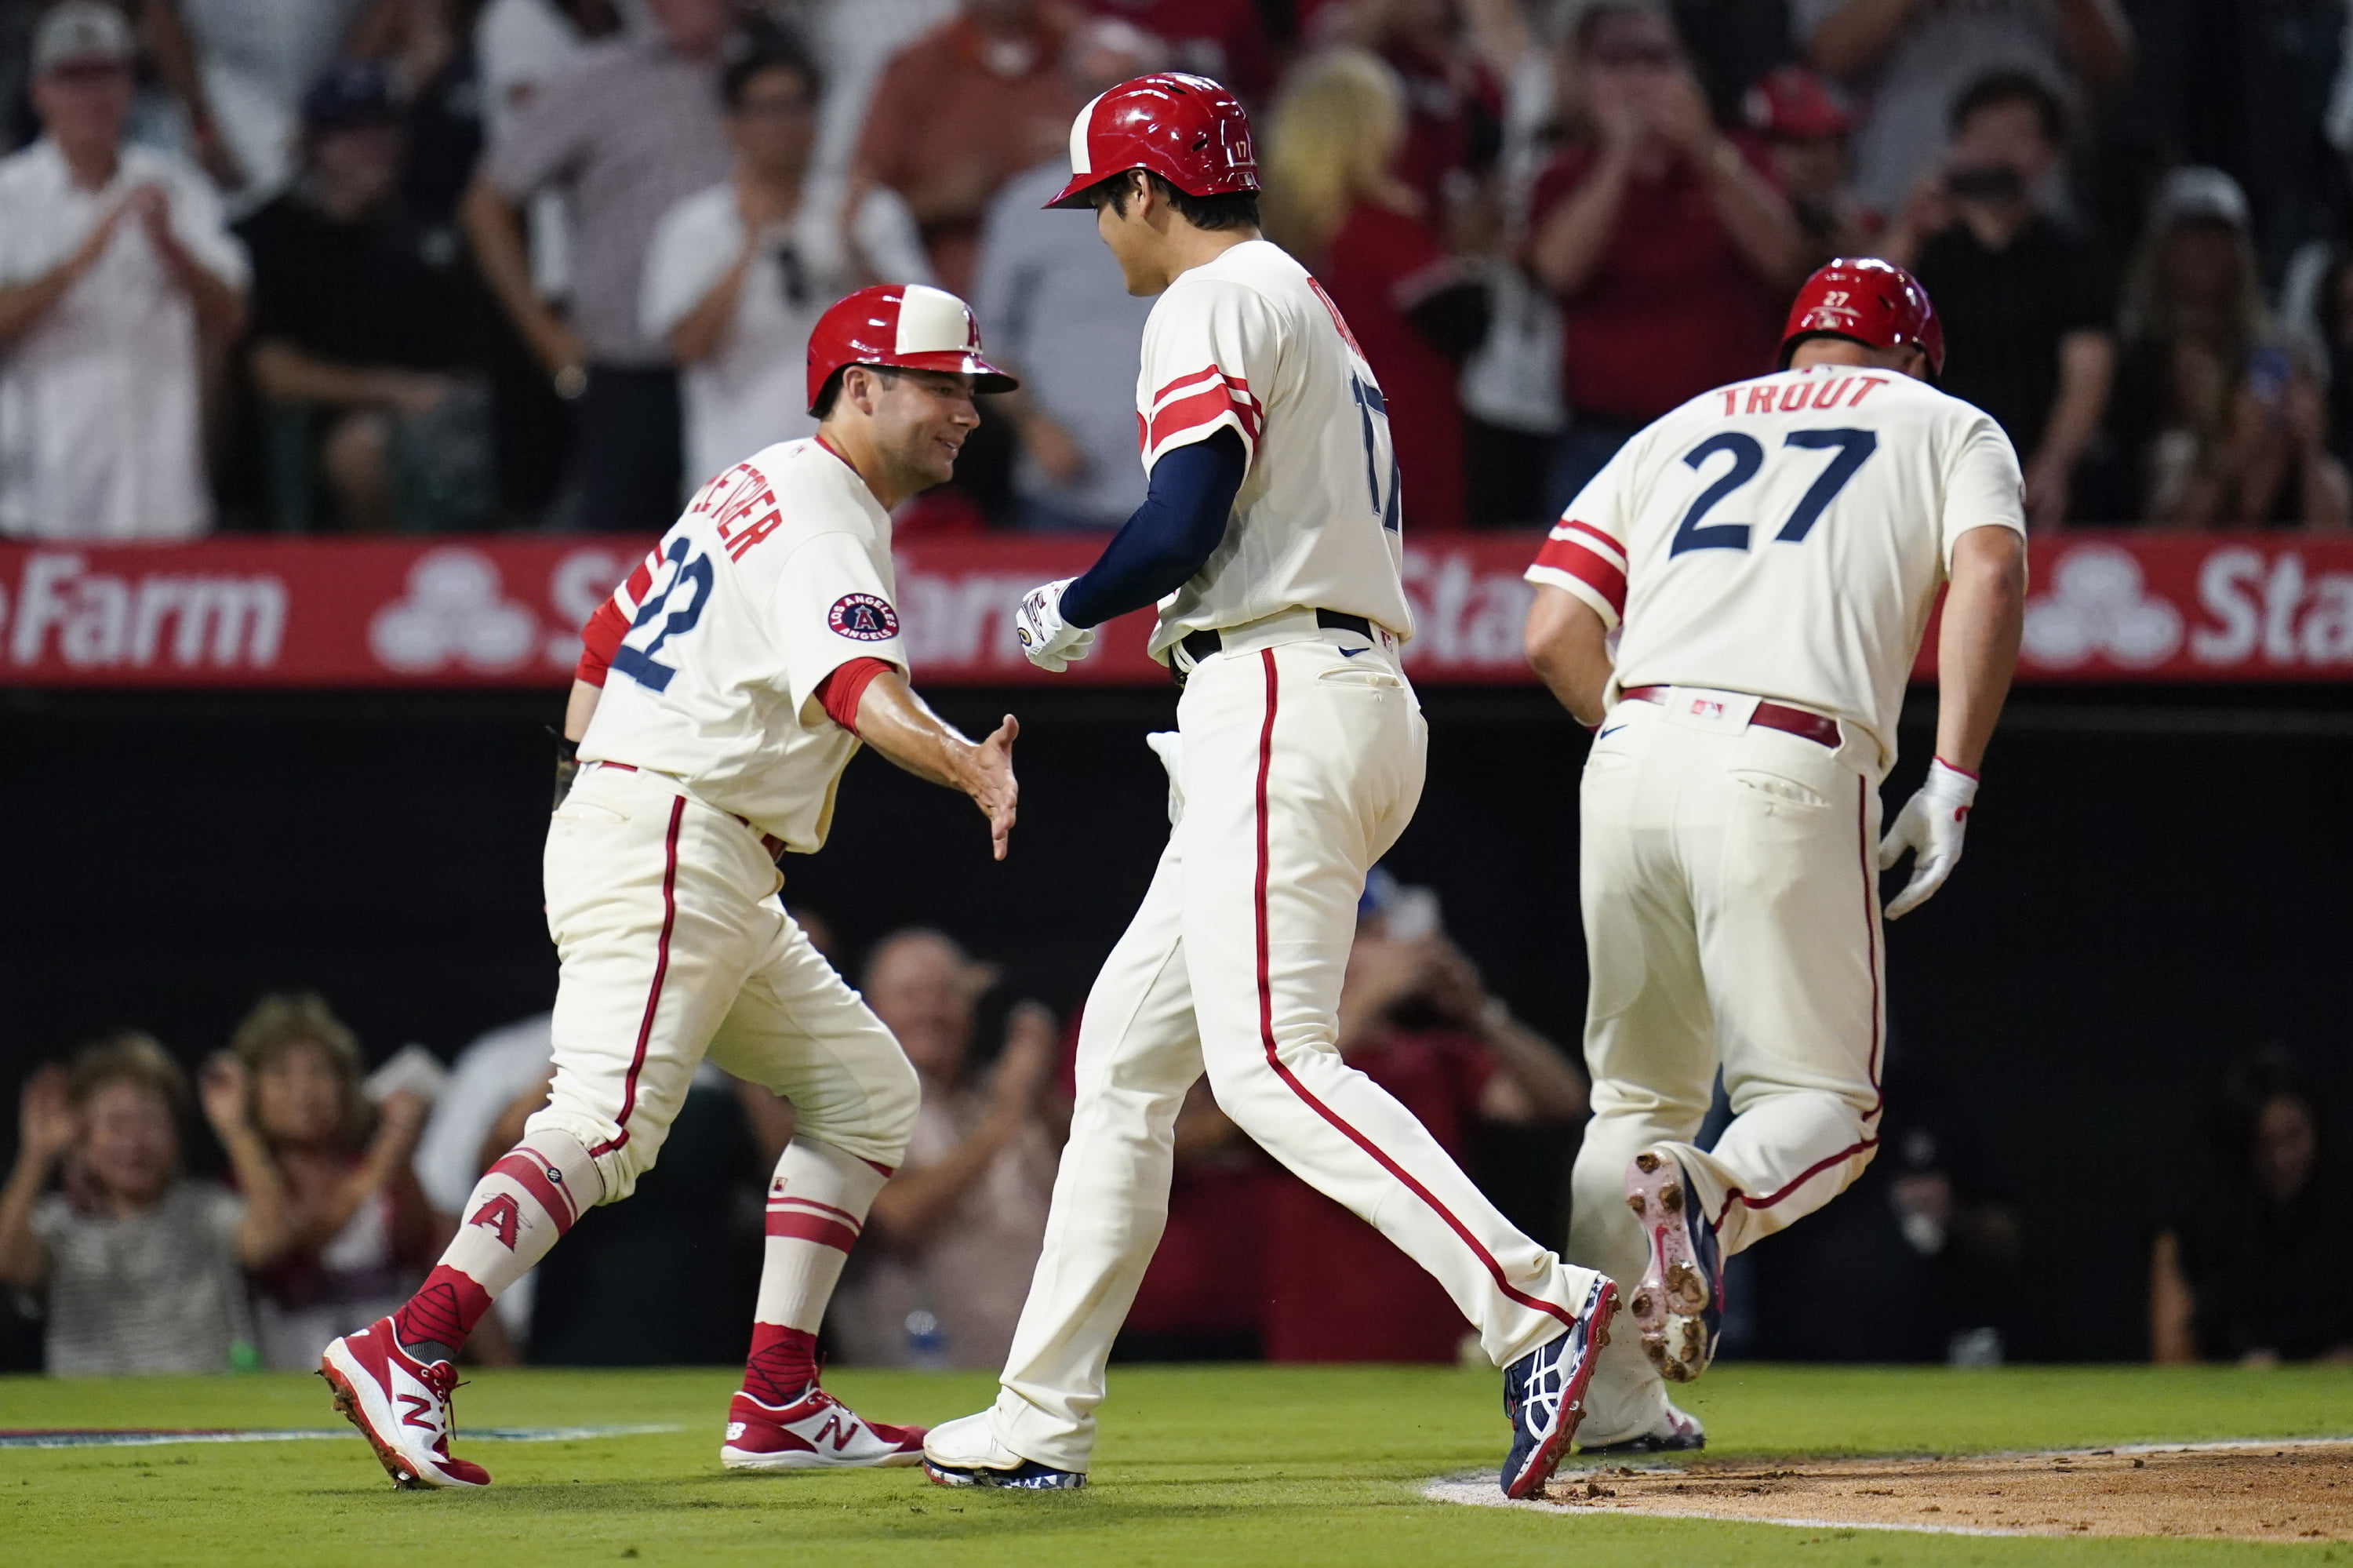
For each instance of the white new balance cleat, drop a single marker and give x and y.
(401, 1406)
(965, 1452)
(1678, 1306)
(817, 1432)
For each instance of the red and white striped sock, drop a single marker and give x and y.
(517, 1212)
(817, 1206)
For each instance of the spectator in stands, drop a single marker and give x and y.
(739, 273)
(1804, 129)
(960, 111)
(143, 1268)
(2218, 421)
(113, 262)
(636, 129)
(518, 47)
(1913, 60)
(950, 1241)
(2255, 1270)
(242, 69)
(1333, 200)
(1415, 1018)
(2026, 309)
(364, 322)
(1225, 41)
(1453, 74)
(1058, 313)
(360, 1231)
(426, 49)
(1669, 250)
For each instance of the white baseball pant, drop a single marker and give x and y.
(1298, 767)
(673, 946)
(1731, 902)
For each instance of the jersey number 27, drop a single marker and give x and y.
(1853, 448)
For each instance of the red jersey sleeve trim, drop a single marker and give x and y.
(840, 693)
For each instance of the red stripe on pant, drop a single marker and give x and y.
(1266, 1035)
(527, 1171)
(786, 1224)
(1871, 946)
(661, 970)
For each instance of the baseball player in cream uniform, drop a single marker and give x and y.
(722, 691)
(1269, 539)
(1735, 601)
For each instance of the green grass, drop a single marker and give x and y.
(1260, 1465)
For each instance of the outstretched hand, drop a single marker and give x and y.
(992, 786)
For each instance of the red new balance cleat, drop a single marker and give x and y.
(400, 1404)
(816, 1432)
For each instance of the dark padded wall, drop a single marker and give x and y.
(2151, 888)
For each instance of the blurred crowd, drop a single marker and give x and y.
(336, 1186)
(363, 265)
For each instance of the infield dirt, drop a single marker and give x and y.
(2254, 1492)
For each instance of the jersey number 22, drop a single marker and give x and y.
(684, 569)
(1853, 448)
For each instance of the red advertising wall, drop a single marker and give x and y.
(504, 610)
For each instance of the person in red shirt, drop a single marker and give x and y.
(1334, 201)
(1669, 250)
(958, 112)
(1224, 40)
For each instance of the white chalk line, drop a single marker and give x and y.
(144, 1439)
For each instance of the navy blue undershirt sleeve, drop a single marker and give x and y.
(1170, 537)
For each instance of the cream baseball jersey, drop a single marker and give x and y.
(1251, 342)
(778, 573)
(1785, 537)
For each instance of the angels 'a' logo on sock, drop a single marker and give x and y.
(501, 1214)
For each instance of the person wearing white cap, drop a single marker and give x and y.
(112, 260)
(2219, 418)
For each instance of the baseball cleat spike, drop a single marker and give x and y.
(1678, 1308)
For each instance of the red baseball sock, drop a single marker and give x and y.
(783, 1362)
(443, 1311)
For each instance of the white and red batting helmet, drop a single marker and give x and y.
(1187, 130)
(906, 326)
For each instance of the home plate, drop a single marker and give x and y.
(2294, 1489)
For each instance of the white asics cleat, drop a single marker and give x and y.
(817, 1432)
(965, 1452)
(1678, 1306)
(401, 1406)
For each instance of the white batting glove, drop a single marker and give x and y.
(1052, 642)
(1930, 826)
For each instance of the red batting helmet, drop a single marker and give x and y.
(1870, 301)
(1187, 130)
(907, 325)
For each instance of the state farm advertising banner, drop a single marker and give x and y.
(505, 611)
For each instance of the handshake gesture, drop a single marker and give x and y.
(1051, 643)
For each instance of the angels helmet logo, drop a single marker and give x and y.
(866, 617)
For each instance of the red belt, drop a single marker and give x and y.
(1772, 715)
(769, 841)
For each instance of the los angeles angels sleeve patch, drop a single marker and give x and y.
(863, 617)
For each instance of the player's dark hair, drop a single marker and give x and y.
(766, 48)
(1234, 209)
(1997, 88)
(832, 387)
